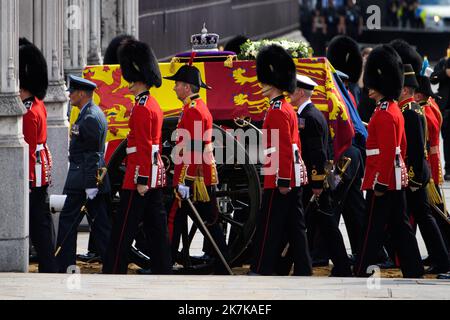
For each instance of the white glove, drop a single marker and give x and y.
(183, 191)
(91, 193)
(413, 189)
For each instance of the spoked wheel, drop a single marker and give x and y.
(237, 196)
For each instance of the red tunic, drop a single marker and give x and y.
(144, 163)
(35, 132)
(386, 149)
(194, 150)
(433, 140)
(283, 166)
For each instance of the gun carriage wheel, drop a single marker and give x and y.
(237, 196)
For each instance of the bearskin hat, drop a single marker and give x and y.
(274, 66)
(33, 72)
(235, 44)
(384, 72)
(139, 63)
(111, 53)
(344, 54)
(425, 86)
(408, 54)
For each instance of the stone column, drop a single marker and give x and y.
(130, 16)
(49, 29)
(119, 17)
(76, 36)
(95, 33)
(14, 199)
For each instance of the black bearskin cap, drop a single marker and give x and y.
(408, 54)
(274, 66)
(344, 54)
(235, 44)
(384, 72)
(139, 63)
(33, 73)
(111, 53)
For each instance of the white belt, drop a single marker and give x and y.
(131, 150)
(376, 152)
(155, 168)
(434, 150)
(40, 147)
(372, 152)
(297, 165)
(270, 151)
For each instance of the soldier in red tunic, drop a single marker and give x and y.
(385, 176)
(284, 170)
(33, 87)
(142, 195)
(195, 172)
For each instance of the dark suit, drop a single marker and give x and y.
(320, 219)
(316, 151)
(86, 157)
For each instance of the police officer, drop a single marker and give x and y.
(284, 170)
(82, 186)
(195, 172)
(419, 174)
(316, 152)
(141, 198)
(33, 87)
(385, 175)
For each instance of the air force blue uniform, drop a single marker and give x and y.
(86, 156)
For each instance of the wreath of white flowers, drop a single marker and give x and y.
(250, 49)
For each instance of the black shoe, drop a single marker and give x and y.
(144, 271)
(447, 177)
(202, 259)
(388, 264)
(436, 270)
(320, 263)
(33, 258)
(427, 261)
(90, 257)
(444, 276)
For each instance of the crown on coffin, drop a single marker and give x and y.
(205, 41)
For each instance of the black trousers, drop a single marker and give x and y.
(418, 206)
(386, 214)
(135, 209)
(281, 216)
(349, 199)
(41, 230)
(178, 226)
(443, 224)
(69, 221)
(323, 221)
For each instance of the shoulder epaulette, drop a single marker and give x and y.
(28, 105)
(143, 100)
(277, 105)
(384, 105)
